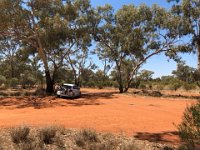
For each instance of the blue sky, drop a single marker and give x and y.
(159, 64)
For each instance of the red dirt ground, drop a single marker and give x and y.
(146, 118)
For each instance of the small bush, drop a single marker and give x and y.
(3, 94)
(16, 94)
(47, 135)
(160, 87)
(129, 146)
(90, 84)
(40, 92)
(20, 134)
(156, 94)
(149, 93)
(188, 86)
(28, 93)
(189, 129)
(100, 86)
(14, 82)
(175, 85)
(79, 140)
(86, 136)
(89, 135)
(142, 86)
(110, 142)
(2, 80)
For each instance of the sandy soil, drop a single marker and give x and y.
(146, 118)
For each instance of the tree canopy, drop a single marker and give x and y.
(58, 35)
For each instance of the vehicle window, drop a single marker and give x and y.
(66, 87)
(76, 87)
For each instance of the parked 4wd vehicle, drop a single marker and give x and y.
(68, 90)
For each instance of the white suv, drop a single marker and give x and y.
(68, 90)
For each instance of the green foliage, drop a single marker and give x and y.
(175, 84)
(58, 35)
(2, 80)
(54, 30)
(159, 86)
(14, 82)
(142, 86)
(187, 12)
(132, 35)
(189, 86)
(184, 73)
(189, 128)
(145, 75)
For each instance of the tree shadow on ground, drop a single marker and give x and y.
(154, 93)
(181, 96)
(163, 137)
(51, 101)
(98, 95)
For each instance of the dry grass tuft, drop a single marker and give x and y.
(20, 134)
(59, 138)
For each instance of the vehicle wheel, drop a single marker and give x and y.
(71, 94)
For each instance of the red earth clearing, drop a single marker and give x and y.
(146, 118)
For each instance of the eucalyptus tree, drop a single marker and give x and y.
(102, 55)
(145, 75)
(47, 26)
(188, 12)
(135, 34)
(35, 23)
(184, 73)
(8, 50)
(77, 56)
(77, 61)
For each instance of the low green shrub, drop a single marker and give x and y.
(142, 86)
(160, 87)
(14, 82)
(188, 86)
(175, 85)
(189, 129)
(2, 80)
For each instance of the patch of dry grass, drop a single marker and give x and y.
(59, 138)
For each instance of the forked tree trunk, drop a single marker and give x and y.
(49, 79)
